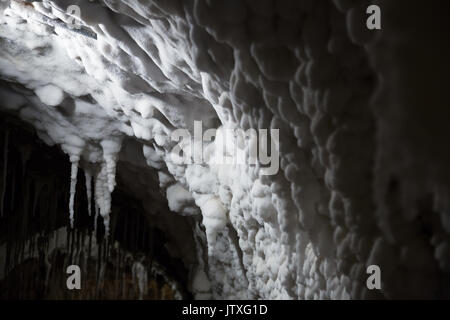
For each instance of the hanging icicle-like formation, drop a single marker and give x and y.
(103, 196)
(105, 180)
(73, 146)
(111, 149)
(73, 186)
(5, 170)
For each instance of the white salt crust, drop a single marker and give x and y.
(309, 231)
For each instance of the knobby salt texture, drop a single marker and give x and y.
(304, 68)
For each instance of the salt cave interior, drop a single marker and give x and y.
(93, 92)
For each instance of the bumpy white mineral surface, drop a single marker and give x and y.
(352, 178)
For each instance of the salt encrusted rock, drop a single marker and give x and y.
(307, 232)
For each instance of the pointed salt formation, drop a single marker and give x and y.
(98, 197)
(111, 149)
(73, 146)
(103, 196)
(5, 170)
(73, 186)
(214, 218)
(88, 178)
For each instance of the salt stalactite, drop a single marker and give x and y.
(98, 191)
(88, 178)
(103, 196)
(111, 149)
(5, 170)
(73, 146)
(105, 180)
(73, 185)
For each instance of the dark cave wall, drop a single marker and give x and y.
(34, 193)
(411, 172)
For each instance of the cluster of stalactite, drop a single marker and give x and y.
(37, 243)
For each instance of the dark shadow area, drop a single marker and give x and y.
(37, 244)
